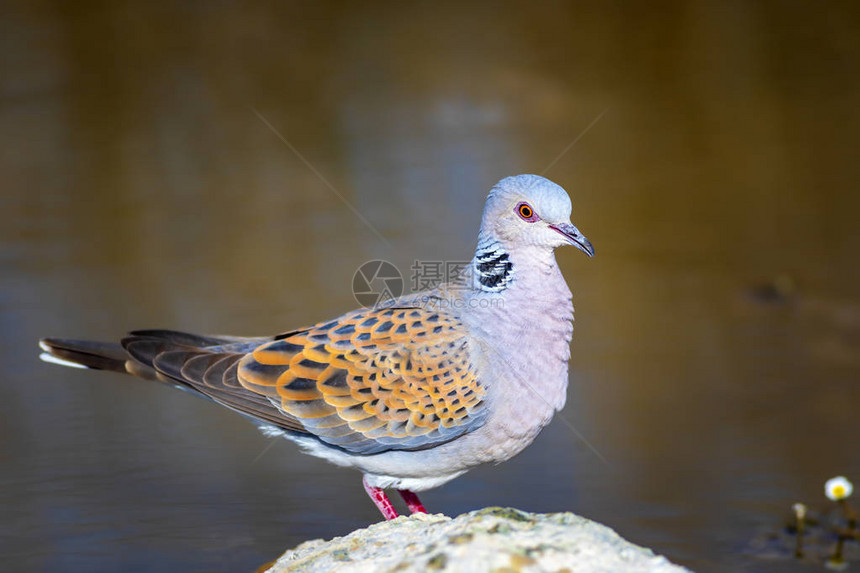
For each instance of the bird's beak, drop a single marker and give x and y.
(576, 238)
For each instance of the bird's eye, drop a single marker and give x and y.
(525, 211)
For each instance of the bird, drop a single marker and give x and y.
(412, 392)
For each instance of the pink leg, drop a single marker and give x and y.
(380, 499)
(412, 501)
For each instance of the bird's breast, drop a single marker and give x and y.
(525, 342)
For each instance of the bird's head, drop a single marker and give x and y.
(529, 210)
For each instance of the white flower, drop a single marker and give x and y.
(838, 488)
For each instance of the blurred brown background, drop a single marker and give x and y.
(715, 360)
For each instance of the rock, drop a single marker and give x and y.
(492, 539)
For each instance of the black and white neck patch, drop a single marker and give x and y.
(493, 269)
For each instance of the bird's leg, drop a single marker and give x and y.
(381, 500)
(412, 501)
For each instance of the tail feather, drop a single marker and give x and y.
(204, 365)
(84, 354)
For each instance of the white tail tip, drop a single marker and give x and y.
(46, 357)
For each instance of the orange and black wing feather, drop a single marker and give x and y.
(373, 380)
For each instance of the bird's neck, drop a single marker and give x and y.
(528, 275)
(526, 286)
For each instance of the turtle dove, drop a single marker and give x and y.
(413, 392)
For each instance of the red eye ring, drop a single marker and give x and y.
(526, 213)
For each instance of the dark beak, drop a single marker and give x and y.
(576, 238)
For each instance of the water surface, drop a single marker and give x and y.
(142, 189)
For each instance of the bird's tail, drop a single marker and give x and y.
(84, 354)
(135, 354)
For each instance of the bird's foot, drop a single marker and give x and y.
(377, 494)
(412, 502)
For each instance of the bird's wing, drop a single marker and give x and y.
(373, 380)
(370, 381)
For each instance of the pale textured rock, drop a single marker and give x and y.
(493, 539)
